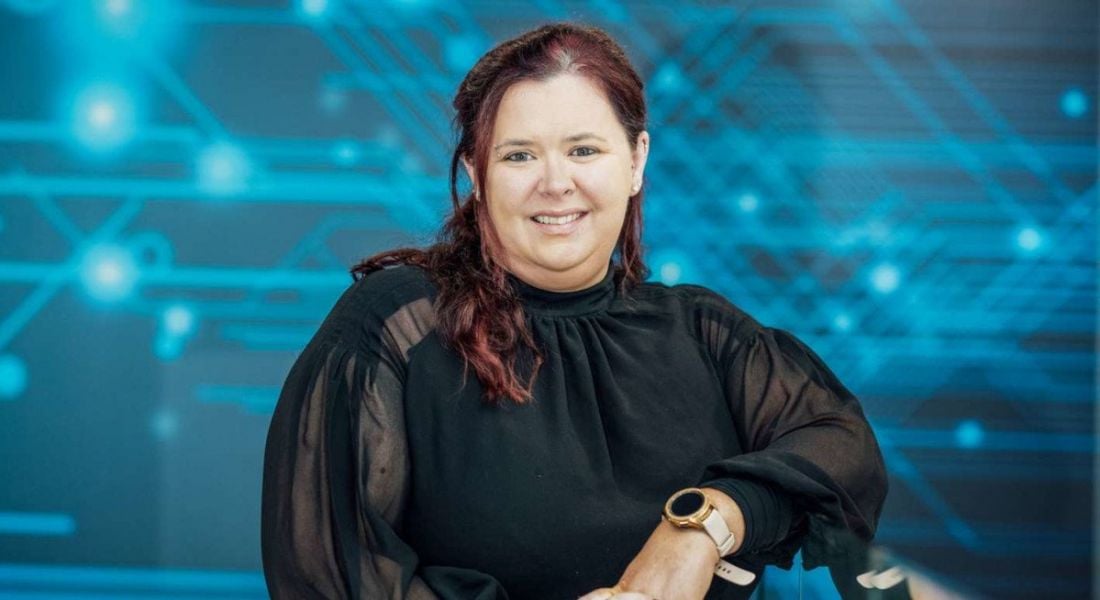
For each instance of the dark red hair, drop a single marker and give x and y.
(478, 313)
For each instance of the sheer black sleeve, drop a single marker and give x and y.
(336, 465)
(805, 437)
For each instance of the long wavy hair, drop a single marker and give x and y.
(478, 312)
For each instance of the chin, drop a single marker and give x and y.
(560, 262)
(557, 266)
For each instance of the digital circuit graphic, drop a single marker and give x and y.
(910, 187)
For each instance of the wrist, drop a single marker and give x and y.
(693, 541)
(731, 514)
(709, 524)
(709, 511)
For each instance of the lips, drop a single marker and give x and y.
(556, 219)
(559, 213)
(560, 225)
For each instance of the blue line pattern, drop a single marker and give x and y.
(910, 187)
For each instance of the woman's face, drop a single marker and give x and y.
(560, 175)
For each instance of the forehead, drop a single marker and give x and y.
(561, 105)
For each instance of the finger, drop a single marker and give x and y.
(600, 594)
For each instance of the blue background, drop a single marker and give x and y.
(908, 186)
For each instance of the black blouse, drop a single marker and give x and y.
(387, 476)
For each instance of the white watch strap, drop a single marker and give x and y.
(716, 527)
(733, 574)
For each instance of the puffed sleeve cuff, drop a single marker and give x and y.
(768, 511)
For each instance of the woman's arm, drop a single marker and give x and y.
(336, 467)
(806, 437)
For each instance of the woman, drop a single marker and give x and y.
(596, 397)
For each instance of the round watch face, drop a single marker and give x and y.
(686, 504)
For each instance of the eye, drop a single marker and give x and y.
(585, 151)
(518, 157)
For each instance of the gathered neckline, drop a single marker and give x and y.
(593, 299)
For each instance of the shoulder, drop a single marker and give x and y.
(391, 305)
(713, 319)
(699, 303)
(392, 287)
(726, 329)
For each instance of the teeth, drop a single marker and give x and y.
(557, 220)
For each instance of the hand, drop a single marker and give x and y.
(675, 563)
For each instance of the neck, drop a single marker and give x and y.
(578, 278)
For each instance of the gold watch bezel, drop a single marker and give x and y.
(695, 519)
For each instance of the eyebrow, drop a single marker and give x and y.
(573, 138)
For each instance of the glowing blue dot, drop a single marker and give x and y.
(151, 22)
(13, 376)
(462, 52)
(178, 320)
(103, 117)
(673, 266)
(165, 425)
(885, 278)
(1029, 239)
(748, 202)
(117, 8)
(223, 170)
(108, 272)
(1075, 103)
(670, 273)
(842, 322)
(346, 153)
(969, 434)
(120, 18)
(669, 78)
(313, 8)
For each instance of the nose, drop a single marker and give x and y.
(556, 178)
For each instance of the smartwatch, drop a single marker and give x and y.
(690, 508)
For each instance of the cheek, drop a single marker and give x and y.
(605, 192)
(510, 191)
(607, 184)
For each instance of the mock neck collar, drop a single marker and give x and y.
(566, 304)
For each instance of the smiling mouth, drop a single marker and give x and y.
(548, 220)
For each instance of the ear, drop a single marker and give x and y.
(469, 171)
(639, 158)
